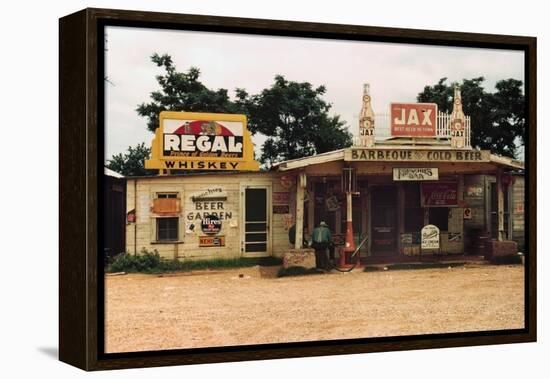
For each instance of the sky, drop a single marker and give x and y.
(395, 72)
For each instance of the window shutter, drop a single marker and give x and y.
(166, 206)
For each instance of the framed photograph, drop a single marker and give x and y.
(240, 189)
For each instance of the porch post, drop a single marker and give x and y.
(311, 210)
(500, 205)
(400, 217)
(300, 186)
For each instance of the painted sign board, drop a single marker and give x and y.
(439, 194)
(210, 194)
(413, 119)
(202, 141)
(455, 237)
(332, 204)
(520, 209)
(416, 155)
(474, 191)
(281, 197)
(430, 237)
(211, 241)
(407, 238)
(458, 133)
(280, 209)
(415, 174)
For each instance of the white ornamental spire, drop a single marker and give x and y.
(458, 120)
(366, 120)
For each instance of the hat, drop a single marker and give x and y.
(322, 223)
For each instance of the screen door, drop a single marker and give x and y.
(256, 222)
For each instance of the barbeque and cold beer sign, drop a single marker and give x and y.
(202, 141)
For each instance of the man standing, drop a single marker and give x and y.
(321, 239)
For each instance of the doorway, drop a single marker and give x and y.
(384, 220)
(256, 221)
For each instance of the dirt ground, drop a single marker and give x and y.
(147, 312)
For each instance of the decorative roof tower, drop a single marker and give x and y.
(458, 119)
(366, 120)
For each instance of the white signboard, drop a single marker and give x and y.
(411, 174)
(430, 237)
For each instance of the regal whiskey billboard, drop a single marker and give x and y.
(202, 141)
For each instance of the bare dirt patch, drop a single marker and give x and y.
(252, 306)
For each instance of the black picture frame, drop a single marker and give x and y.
(81, 109)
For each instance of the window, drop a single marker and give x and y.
(167, 229)
(167, 196)
(439, 216)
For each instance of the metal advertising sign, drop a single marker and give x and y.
(415, 174)
(211, 241)
(202, 141)
(211, 224)
(440, 194)
(430, 237)
(413, 120)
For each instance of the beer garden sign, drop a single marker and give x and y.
(202, 141)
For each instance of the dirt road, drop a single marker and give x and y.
(147, 312)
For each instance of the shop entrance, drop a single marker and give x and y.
(256, 221)
(384, 220)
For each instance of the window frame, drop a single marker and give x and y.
(158, 220)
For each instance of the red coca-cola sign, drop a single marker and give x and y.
(440, 194)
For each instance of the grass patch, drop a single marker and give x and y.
(507, 260)
(151, 263)
(296, 271)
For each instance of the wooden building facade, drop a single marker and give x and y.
(463, 202)
(254, 211)
(209, 215)
(411, 168)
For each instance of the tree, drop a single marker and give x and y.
(182, 91)
(498, 118)
(292, 115)
(295, 119)
(132, 163)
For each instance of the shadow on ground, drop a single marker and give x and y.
(50, 351)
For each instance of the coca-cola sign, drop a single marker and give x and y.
(440, 194)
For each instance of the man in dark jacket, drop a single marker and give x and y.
(321, 239)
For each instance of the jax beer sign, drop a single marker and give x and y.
(413, 120)
(202, 141)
